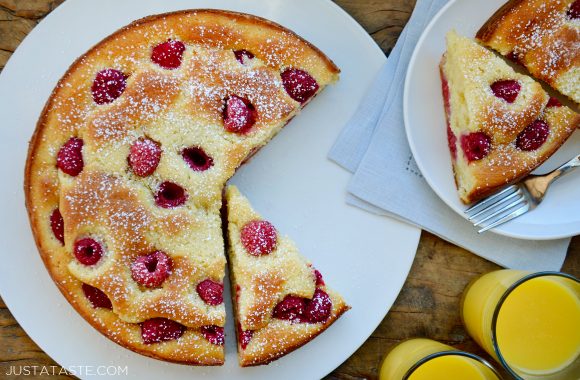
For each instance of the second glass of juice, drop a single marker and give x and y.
(426, 359)
(529, 322)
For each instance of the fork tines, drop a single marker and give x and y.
(499, 208)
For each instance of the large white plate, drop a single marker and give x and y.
(559, 214)
(291, 182)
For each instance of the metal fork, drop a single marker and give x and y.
(517, 199)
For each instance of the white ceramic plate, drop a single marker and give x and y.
(291, 182)
(559, 214)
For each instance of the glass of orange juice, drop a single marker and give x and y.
(529, 322)
(425, 359)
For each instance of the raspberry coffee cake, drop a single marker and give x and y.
(501, 125)
(543, 36)
(281, 301)
(126, 168)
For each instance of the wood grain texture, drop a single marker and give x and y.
(428, 305)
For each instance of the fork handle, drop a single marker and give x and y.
(564, 169)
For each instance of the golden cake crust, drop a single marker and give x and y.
(539, 35)
(104, 197)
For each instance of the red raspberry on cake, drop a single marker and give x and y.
(57, 225)
(239, 115)
(501, 124)
(108, 85)
(97, 297)
(300, 85)
(259, 237)
(211, 292)
(243, 56)
(151, 270)
(160, 330)
(281, 302)
(70, 157)
(144, 157)
(168, 54)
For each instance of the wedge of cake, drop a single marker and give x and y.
(501, 125)
(281, 301)
(129, 159)
(543, 36)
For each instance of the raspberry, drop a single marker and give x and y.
(475, 145)
(88, 251)
(168, 54)
(243, 55)
(318, 276)
(97, 297)
(108, 85)
(57, 225)
(291, 308)
(514, 57)
(151, 270)
(214, 334)
(259, 237)
(452, 142)
(238, 291)
(144, 157)
(574, 11)
(197, 159)
(70, 157)
(239, 115)
(446, 96)
(533, 136)
(160, 330)
(553, 102)
(300, 85)
(508, 90)
(211, 292)
(244, 337)
(169, 195)
(319, 307)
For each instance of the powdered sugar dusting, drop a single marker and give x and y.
(111, 204)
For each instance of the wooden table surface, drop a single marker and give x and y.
(428, 305)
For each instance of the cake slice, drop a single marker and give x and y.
(501, 125)
(543, 36)
(281, 302)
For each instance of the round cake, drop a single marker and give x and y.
(129, 159)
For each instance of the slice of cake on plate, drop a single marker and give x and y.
(281, 301)
(543, 36)
(501, 125)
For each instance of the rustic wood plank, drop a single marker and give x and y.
(13, 29)
(31, 9)
(428, 305)
(383, 19)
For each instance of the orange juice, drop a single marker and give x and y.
(450, 367)
(538, 326)
(480, 300)
(437, 361)
(536, 331)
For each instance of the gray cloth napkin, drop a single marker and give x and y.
(387, 181)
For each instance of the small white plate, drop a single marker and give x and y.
(290, 181)
(559, 214)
